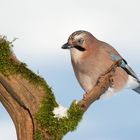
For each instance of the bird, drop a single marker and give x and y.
(91, 57)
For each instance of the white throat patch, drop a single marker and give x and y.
(76, 54)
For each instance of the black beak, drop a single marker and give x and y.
(66, 46)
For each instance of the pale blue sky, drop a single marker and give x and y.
(42, 26)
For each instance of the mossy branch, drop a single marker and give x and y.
(30, 101)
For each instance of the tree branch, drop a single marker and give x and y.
(30, 101)
(101, 86)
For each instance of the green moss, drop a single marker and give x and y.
(59, 127)
(45, 119)
(39, 135)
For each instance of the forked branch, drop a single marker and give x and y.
(30, 102)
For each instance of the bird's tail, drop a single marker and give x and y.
(137, 89)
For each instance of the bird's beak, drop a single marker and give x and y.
(66, 46)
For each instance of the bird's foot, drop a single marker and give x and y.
(84, 96)
(111, 82)
(100, 80)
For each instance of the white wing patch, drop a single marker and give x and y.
(132, 83)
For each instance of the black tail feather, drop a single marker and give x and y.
(137, 90)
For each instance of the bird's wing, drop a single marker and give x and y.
(124, 65)
(129, 70)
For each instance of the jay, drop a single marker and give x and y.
(91, 58)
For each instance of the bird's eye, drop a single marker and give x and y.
(80, 40)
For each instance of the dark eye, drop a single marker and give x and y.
(80, 40)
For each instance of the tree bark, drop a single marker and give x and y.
(23, 100)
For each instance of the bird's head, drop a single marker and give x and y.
(79, 40)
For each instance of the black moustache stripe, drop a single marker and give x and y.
(80, 48)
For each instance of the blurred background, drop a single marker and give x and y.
(42, 27)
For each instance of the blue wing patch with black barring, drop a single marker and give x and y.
(124, 65)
